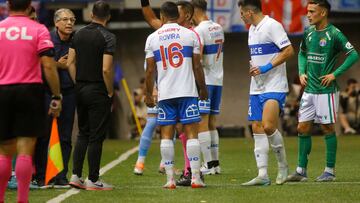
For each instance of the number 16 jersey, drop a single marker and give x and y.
(172, 47)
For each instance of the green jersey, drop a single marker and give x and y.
(321, 49)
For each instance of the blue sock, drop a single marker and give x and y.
(146, 136)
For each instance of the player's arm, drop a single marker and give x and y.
(150, 72)
(351, 59)
(108, 67)
(149, 15)
(149, 81)
(61, 63)
(52, 77)
(302, 61)
(108, 73)
(283, 56)
(71, 63)
(199, 77)
(352, 56)
(198, 69)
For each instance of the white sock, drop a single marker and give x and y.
(277, 144)
(167, 155)
(330, 170)
(300, 170)
(261, 154)
(205, 142)
(141, 159)
(214, 145)
(193, 153)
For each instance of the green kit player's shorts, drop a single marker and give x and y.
(321, 108)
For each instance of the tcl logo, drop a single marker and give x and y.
(14, 33)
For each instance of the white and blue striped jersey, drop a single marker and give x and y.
(265, 42)
(212, 38)
(172, 47)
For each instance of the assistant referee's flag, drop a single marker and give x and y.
(55, 161)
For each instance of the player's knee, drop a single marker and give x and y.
(302, 129)
(269, 128)
(256, 125)
(327, 129)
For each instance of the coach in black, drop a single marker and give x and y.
(91, 63)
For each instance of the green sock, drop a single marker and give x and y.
(331, 146)
(304, 150)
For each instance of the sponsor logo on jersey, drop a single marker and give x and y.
(322, 42)
(348, 45)
(284, 42)
(14, 33)
(316, 58)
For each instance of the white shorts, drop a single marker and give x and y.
(321, 108)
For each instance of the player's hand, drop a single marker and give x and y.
(327, 79)
(203, 94)
(254, 71)
(149, 101)
(63, 59)
(55, 108)
(303, 80)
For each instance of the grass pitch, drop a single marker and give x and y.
(238, 165)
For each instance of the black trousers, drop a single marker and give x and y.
(93, 108)
(65, 127)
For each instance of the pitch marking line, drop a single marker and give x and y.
(239, 186)
(103, 170)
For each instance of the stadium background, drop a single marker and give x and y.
(131, 30)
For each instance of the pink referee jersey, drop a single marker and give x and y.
(21, 42)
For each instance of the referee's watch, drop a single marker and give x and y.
(55, 97)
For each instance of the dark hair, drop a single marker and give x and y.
(187, 6)
(321, 3)
(200, 4)
(351, 81)
(170, 10)
(32, 10)
(19, 5)
(101, 10)
(255, 4)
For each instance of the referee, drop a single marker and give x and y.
(24, 45)
(91, 61)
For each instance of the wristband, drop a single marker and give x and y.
(54, 97)
(266, 68)
(145, 3)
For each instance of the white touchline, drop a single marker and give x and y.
(103, 170)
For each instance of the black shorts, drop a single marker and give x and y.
(22, 111)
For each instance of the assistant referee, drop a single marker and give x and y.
(91, 61)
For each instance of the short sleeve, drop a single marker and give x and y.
(278, 35)
(110, 44)
(342, 43)
(44, 39)
(148, 51)
(195, 38)
(199, 34)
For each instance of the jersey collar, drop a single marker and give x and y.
(262, 22)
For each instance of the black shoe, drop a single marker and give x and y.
(41, 184)
(61, 183)
(184, 180)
